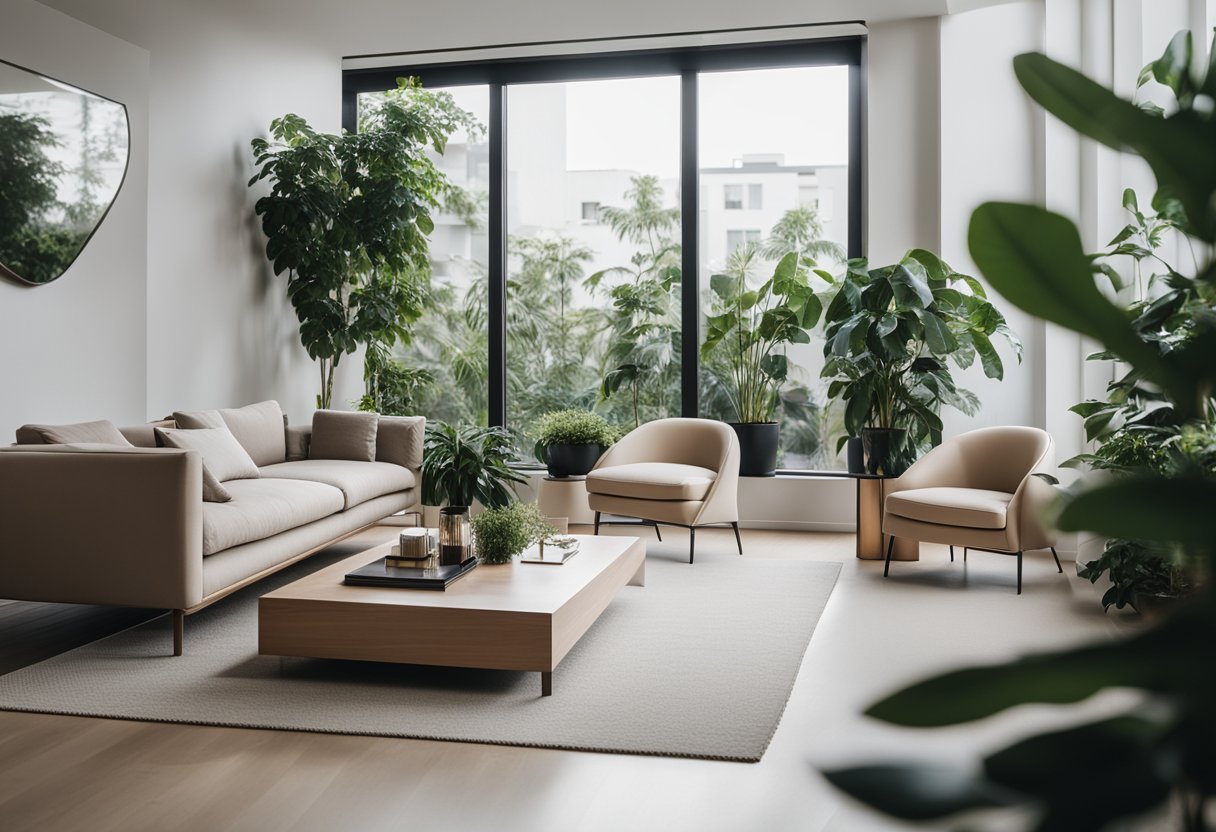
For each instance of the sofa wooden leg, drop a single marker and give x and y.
(179, 628)
(738, 539)
(1059, 568)
(597, 522)
(692, 541)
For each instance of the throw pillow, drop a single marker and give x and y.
(198, 419)
(399, 440)
(260, 429)
(91, 433)
(343, 434)
(222, 455)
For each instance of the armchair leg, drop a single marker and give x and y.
(952, 554)
(597, 522)
(738, 539)
(692, 541)
(179, 628)
(1059, 568)
(658, 533)
(886, 570)
(1019, 573)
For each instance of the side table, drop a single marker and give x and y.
(871, 542)
(564, 497)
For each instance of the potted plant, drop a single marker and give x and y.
(748, 330)
(570, 442)
(347, 217)
(467, 463)
(500, 534)
(892, 334)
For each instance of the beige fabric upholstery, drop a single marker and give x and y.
(120, 526)
(264, 507)
(258, 427)
(693, 445)
(997, 462)
(226, 568)
(298, 437)
(343, 434)
(399, 440)
(144, 436)
(100, 432)
(358, 481)
(213, 489)
(652, 481)
(198, 419)
(970, 507)
(223, 456)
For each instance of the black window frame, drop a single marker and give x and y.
(684, 62)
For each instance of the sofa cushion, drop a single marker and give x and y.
(343, 434)
(91, 433)
(652, 481)
(258, 427)
(264, 507)
(358, 481)
(223, 457)
(399, 440)
(972, 508)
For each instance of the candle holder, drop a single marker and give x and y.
(455, 535)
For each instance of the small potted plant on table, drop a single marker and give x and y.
(502, 533)
(570, 442)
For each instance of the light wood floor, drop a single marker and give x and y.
(68, 773)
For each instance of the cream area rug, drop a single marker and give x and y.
(698, 663)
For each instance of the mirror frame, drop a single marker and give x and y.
(126, 115)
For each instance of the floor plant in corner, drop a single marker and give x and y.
(1153, 764)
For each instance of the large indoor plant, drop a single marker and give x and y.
(750, 327)
(892, 334)
(347, 217)
(1106, 773)
(464, 463)
(570, 442)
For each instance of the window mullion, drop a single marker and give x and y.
(690, 313)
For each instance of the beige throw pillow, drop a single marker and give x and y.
(399, 440)
(91, 433)
(223, 457)
(343, 434)
(258, 427)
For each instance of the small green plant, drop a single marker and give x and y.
(467, 463)
(502, 533)
(575, 427)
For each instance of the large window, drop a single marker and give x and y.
(570, 269)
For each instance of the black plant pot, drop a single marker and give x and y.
(757, 448)
(855, 455)
(884, 449)
(571, 460)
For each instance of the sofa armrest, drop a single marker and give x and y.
(298, 439)
(101, 525)
(399, 441)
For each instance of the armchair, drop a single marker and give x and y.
(677, 472)
(979, 491)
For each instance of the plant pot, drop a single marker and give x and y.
(855, 455)
(571, 460)
(757, 448)
(884, 449)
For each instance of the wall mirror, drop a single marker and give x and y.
(63, 157)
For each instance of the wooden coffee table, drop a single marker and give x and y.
(511, 617)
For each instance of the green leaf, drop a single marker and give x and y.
(938, 338)
(990, 360)
(1177, 510)
(911, 290)
(919, 792)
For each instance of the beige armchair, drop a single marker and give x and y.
(978, 491)
(676, 472)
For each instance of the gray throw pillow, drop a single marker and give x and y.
(198, 419)
(222, 455)
(258, 427)
(343, 434)
(91, 433)
(399, 440)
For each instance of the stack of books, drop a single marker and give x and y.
(381, 572)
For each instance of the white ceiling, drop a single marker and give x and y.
(359, 27)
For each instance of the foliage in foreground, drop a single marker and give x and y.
(1096, 775)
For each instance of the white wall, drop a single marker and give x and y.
(74, 349)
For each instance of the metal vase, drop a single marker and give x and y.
(455, 535)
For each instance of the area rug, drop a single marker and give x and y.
(698, 663)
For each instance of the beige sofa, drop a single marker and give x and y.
(127, 526)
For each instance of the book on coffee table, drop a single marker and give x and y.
(378, 573)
